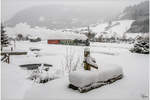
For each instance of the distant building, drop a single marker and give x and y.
(34, 39)
(53, 41)
(66, 38)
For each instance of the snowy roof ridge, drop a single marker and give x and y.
(66, 35)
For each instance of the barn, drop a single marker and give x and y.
(53, 41)
(65, 38)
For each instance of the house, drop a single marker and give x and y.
(34, 38)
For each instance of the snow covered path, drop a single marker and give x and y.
(134, 85)
(13, 83)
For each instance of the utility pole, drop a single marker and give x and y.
(88, 60)
(14, 44)
(88, 35)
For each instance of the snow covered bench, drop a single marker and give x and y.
(86, 80)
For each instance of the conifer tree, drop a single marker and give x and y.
(4, 38)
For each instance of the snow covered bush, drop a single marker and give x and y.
(41, 75)
(44, 74)
(34, 75)
(141, 46)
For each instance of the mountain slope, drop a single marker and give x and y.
(60, 16)
(115, 28)
(139, 13)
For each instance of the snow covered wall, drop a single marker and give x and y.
(84, 78)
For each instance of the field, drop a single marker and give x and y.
(134, 85)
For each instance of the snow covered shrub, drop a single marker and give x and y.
(141, 46)
(34, 75)
(44, 74)
(41, 75)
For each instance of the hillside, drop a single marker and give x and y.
(139, 13)
(116, 28)
(119, 27)
(60, 16)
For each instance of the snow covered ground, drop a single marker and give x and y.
(119, 27)
(116, 29)
(134, 85)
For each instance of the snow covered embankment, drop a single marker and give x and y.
(95, 78)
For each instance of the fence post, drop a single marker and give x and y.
(8, 58)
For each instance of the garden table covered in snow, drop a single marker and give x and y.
(85, 80)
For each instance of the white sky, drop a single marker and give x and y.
(11, 7)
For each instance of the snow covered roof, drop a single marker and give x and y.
(32, 37)
(65, 36)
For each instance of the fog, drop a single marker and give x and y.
(11, 7)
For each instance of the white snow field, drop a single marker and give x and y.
(117, 28)
(133, 86)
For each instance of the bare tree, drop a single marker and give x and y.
(72, 60)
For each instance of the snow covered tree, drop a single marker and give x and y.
(141, 46)
(100, 38)
(19, 37)
(4, 38)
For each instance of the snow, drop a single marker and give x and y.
(133, 86)
(104, 73)
(135, 35)
(118, 28)
(99, 28)
(13, 83)
(90, 60)
(41, 19)
(65, 36)
(122, 27)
